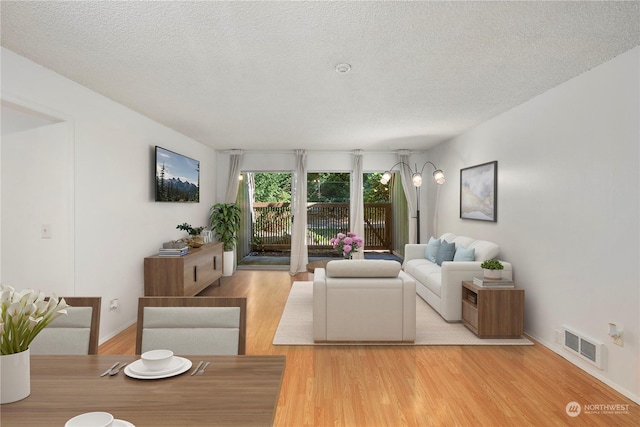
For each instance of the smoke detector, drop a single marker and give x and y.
(343, 68)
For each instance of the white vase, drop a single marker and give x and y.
(15, 376)
(227, 263)
(492, 274)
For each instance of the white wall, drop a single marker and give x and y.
(37, 181)
(568, 208)
(116, 221)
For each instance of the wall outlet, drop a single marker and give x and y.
(619, 340)
(114, 305)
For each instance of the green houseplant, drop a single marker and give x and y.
(195, 240)
(193, 231)
(492, 269)
(225, 222)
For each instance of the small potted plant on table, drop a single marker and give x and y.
(492, 269)
(195, 239)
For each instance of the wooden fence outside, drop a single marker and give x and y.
(272, 225)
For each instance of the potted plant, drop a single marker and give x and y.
(492, 269)
(23, 315)
(225, 222)
(195, 240)
(346, 244)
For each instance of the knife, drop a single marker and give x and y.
(196, 370)
(109, 370)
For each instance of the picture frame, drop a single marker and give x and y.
(479, 192)
(177, 177)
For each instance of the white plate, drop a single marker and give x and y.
(139, 368)
(135, 369)
(122, 423)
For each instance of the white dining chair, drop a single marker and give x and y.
(192, 325)
(76, 333)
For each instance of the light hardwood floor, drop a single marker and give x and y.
(411, 385)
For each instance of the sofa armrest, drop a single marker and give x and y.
(414, 251)
(453, 274)
(319, 305)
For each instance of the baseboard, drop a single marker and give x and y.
(103, 340)
(579, 363)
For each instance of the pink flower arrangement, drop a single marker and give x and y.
(346, 243)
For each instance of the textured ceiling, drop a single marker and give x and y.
(256, 75)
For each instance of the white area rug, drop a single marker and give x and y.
(296, 325)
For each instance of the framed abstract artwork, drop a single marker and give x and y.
(478, 192)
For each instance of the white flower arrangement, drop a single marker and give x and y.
(24, 315)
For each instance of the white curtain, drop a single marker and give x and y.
(299, 251)
(357, 203)
(235, 163)
(251, 188)
(409, 192)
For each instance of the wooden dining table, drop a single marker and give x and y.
(233, 391)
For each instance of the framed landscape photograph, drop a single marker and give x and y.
(177, 177)
(478, 192)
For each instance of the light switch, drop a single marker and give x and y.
(45, 231)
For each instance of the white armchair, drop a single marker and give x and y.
(363, 300)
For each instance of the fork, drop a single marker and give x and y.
(116, 370)
(201, 371)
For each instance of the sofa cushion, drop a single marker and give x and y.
(445, 252)
(426, 273)
(363, 268)
(449, 237)
(433, 282)
(485, 250)
(463, 241)
(415, 266)
(432, 249)
(464, 254)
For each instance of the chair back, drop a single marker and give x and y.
(192, 325)
(76, 333)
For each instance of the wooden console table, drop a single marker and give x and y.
(183, 276)
(493, 312)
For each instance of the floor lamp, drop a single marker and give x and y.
(416, 180)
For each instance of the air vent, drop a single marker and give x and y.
(588, 349)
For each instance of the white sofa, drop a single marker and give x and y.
(363, 300)
(441, 286)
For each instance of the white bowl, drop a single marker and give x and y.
(91, 419)
(156, 360)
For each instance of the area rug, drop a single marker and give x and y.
(296, 325)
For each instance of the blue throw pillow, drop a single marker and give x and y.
(432, 249)
(446, 252)
(464, 254)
